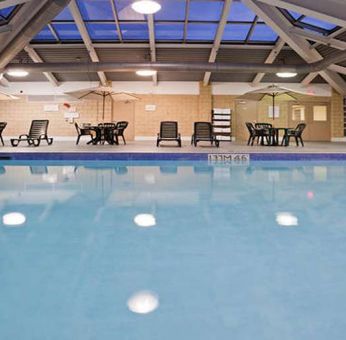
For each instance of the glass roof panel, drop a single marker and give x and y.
(263, 32)
(295, 15)
(65, 14)
(96, 10)
(67, 31)
(169, 31)
(6, 12)
(125, 12)
(45, 35)
(240, 12)
(236, 32)
(135, 31)
(318, 23)
(201, 32)
(102, 32)
(202, 10)
(171, 10)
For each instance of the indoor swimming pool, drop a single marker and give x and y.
(172, 250)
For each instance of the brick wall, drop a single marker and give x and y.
(337, 115)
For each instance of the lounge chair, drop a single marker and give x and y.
(119, 131)
(203, 132)
(83, 132)
(2, 128)
(168, 132)
(37, 133)
(296, 133)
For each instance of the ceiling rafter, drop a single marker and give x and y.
(278, 22)
(151, 27)
(270, 59)
(186, 21)
(333, 12)
(116, 19)
(218, 37)
(86, 38)
(36, 58)
(9, 3)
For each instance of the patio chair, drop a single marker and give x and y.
(265, 131)
(82, 132)
(2, 128)
(119, 131)
(203, 132)
(106, 131)
(168, 132)
(37, 133)
(253, 133)
(296, 133)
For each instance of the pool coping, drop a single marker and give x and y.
(147, 156)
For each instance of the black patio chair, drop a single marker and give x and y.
(253, 133)
(203, 132)
(119, 131)
(168, 132)
(107, 131)
(83, 131)
(2, 128)
(265, 131)
(296, 133)
(37, 133)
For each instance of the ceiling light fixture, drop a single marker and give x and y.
(18, 73)
(146, 73)
(286, 74)
(146, 6)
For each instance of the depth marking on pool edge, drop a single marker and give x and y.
(231, 158)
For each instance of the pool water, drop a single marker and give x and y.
(172, 250)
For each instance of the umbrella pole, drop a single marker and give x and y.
(273, 106)
(103, 109)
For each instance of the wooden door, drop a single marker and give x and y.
(126, 112)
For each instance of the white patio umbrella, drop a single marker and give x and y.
(7, 96)
(273, 91)
(101, 93)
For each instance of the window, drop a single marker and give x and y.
(298, 113)
(320, 113)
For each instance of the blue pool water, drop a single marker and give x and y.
(234, 252)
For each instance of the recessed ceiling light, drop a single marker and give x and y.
(286, 74)
(145, 220)
(146, 6)
(143, 302)
(18, 73)
(286, 219)
(145, 73)
(13, 219)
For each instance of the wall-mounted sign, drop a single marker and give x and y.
(51, 108)
(150, 107)
(276, 111)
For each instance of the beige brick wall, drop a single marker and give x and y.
(186, 109)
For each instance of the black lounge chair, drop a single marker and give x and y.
(203, 132)
(119, 131)
(2, 128)
(168, 132)
(84, 131)
(37, 133)
(296, 133)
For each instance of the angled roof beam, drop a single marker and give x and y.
(86, 38)
(335, 43)
(28, 21)
(277, 21)
(218, 37)
(116, 19)
(152, 43)
(3, 81)
(332, 11)
(8, 3)
(37, 59)
(338, 68)
(270, 59)
(186, 21)
(331, 35)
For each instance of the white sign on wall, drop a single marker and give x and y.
(276, 111)
(51, 108)
(150, 107)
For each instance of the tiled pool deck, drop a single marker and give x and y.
(146, 150)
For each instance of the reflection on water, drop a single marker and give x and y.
(216, 264)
